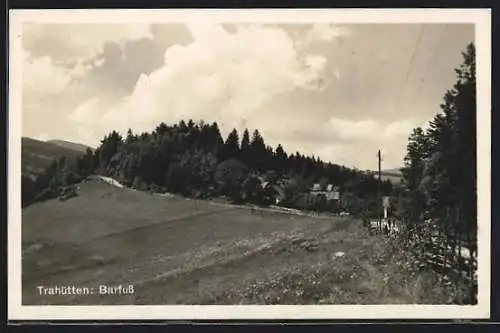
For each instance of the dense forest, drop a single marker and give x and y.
(192, 159)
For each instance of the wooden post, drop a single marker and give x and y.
(379, 199)
(459, 241)
(470, 241)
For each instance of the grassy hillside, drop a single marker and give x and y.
(37, 155)
(70, 145)
(179, 251)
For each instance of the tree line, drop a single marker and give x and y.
(192, 159)
(439, 201)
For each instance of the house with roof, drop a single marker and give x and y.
(316, 187)
(273, 192)
(332, 192)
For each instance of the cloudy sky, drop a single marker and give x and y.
(336, 91)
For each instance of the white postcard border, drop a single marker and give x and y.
(480, 17)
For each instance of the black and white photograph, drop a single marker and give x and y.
(283, 164)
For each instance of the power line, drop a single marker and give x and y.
(434, 53)
(409, 67)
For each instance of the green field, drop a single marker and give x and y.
(179, 251)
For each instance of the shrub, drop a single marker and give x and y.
(320, 203)
(252, 189)
(140, 184)
(45, 195)
(73, 178)
(333, 206)
(175, 178)
(28, 191)
(229, 177)
(68, 192)
(153, 188)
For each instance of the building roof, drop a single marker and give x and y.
(276, 188)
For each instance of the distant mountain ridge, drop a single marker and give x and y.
(37, 155)
(394, 172)
(71, 145)
(394, 175)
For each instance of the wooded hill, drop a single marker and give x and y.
(192, 159)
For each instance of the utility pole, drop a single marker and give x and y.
(379, 199)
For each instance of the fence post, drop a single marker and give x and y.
(459, 241)
(471, 267)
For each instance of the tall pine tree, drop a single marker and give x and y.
(245, 147)
(232, 146)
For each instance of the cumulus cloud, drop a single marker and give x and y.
(365, 137)
(87, 112)
(340, 131)
(350, 142)
(42, 78)
(350, 130)
(66, 64)
(56, 56)
(69, 52)
(316, 62)
(221, 76)
(78, 41)
(399, 128)
(336, 73)
(230, 77)
(326, 32)
(306, 86)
